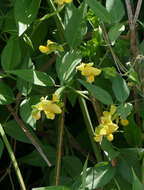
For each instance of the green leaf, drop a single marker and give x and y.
(124, 110)
(132, 133)
(120, 88)
(25, 13)
(99, 10)
(35, 159)
(108, 147)
(69, 162)
(75, 24)
(26, 113)
(14, 130)
(11, 54)
(115, 9)
(137, 185)
(52, 188)
(1, 148)
(115, 32)
(99, 175)
(99, 93)
(33, 76)
(6, 94)
(66, 66)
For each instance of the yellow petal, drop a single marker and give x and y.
(112, 128)
(81, 67)
(49, 42)
(103, 131)
(110, 137)
(50, 115)
(124, 122)
(36, 114)
(90, 78)
(44, 49)
(89, 64)
(98, 138)
(55, 98)
(113, 109)
(67, 1)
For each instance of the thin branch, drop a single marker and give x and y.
(129, 11)
(20, 122)
(60, 143)
(137, 11)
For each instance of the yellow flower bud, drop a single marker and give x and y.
(124, 122)
(110, 137)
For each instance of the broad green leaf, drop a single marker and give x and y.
(6, 94)
(124, 110)
(75, 24)
(69, 162)
(99, 10)
(33, 76)
(9, 24)
(132, 133)
(52, 188)
(14, 130)
(120, 88)
(25, 13)
(115, 9)
(115, 32)
(11, 55)
(99, 93)
(35, 159)
(1, 148)
(124, 169)
(26, 113)
(137, 185)
(66, 66)
(108, 147)
(99, 175)
(128, 158)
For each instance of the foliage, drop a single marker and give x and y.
(72, 94)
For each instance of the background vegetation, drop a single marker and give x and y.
(90, 134)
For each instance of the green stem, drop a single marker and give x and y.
(57, 14)
(90, 130)
(13, 159)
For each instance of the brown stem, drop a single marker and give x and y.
(50, 62)
(97, 109)
(20, 122)
(60, 143)
(132, 21)
(137, 11)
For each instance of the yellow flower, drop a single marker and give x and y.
(89, 71)
(60, 2)
(124, 122)
(50, 107)
(50, 47)
(106, 127)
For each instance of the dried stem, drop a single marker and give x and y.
(19, 121)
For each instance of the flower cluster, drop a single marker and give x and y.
(50, 107)
(89, 71)
(60, 2)
(50, 47)
(107, 127)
